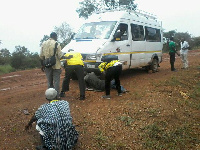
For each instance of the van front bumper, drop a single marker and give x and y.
(92, 67)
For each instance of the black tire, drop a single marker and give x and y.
(147, 68)
(154, 65)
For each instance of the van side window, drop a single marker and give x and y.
(152, 34)
(123, 29)
(137, 32)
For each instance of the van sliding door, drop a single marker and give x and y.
(153, 43)
(138, 46)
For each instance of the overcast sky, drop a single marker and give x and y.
(25, 22)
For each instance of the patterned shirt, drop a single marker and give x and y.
(104, 65)
(55, 121)
(47, 50)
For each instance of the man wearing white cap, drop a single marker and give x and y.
(184, 53)
(54, 123)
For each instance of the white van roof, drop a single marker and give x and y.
(117, 15)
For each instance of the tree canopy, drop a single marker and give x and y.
(193, 41)
(87, 7)
(22, 58)
(4, 56)
(64, 32)
(46, 37)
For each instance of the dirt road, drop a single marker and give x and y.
(103, 124)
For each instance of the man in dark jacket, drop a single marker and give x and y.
(92, 82)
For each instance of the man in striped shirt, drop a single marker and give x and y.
(54, 123)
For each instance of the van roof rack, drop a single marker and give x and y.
(135, 11)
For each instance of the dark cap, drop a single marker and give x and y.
(53, 35)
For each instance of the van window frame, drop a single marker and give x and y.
(126, 33)
(140, 32)
(152, 34)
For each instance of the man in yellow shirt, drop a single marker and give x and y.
(52, 73)
(74, 64)
(112, 68)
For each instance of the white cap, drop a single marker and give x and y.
(51, 93)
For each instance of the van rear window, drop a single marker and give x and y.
(152, 34)
(137, 32)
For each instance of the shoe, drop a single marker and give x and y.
(41, 147)
(174, 70)
(62, 94)
(89, 89)
(119, 94)
(106, 96)
(82, 98)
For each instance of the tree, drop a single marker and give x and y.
(18, 57)
(87, 7)
(129, 4)
(46, 37)
(5, 56)
(169, 34)
(64, 33)
(23, 59)
(32, 60)
(196, 41)
(177, 38)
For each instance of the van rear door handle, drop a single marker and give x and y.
(128, 45)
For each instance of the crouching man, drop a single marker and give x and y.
(54, 123)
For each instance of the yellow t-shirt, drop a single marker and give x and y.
(104, 65)
(75, 60)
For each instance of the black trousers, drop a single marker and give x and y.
(79, 70)
(172, 60)
(113, 73)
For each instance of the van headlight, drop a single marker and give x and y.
(91, 57)
(98, 57)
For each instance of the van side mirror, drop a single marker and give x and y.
(117, 36)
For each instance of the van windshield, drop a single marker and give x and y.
(96, 30)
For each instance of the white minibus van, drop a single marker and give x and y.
(134, 36)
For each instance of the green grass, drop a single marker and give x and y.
(104, 143)
(157, 136)
(126, 119)
(6, 69)
(101, 139)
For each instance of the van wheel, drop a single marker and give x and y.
(147, 68)
(154, 65)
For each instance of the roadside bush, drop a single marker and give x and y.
(6, 69)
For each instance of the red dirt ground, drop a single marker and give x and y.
(98, 121)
